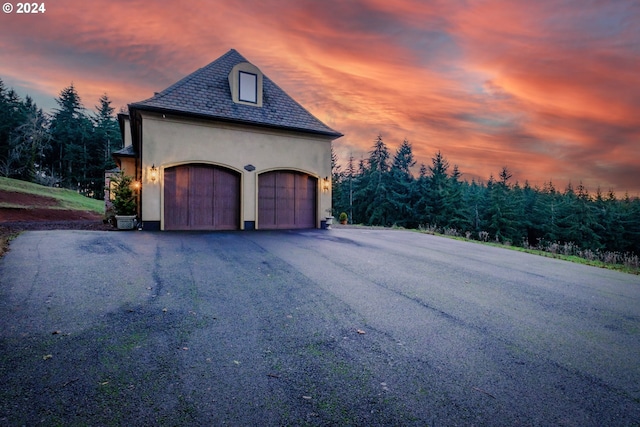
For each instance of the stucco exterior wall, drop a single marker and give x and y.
(127, 164)
(171, 141)
(127, 132)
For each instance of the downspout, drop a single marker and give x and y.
(139, 172)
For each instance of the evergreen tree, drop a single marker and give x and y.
(475, 199)
(608, 221)
(403, 161)
(548, 213)
(379, 156)
(630, 219)
(341, 181)
(454, 210)
(380, 209)
(437, 191)
(501, 214)
(124, 202)
(361, 199)
(527, 210)
(401, 185)
(28, 143)
(6, 126)
(374, 185)
(349, 181)
(12, 115)
(107, 131)
(578, 220)
(495, 217)
(421, 207)
(68, 132)
(519, 222)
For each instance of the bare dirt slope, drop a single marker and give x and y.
(33, 212)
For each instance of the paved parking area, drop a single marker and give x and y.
(322, 327)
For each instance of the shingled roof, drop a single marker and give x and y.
(206, 94)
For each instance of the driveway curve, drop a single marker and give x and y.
(321, 327)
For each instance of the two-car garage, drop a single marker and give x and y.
(225, 148)
(207, 197)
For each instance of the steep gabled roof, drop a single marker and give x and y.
(206, 94)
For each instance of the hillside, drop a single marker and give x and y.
(15, 194)
(29, 206)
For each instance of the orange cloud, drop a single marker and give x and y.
(549, 89)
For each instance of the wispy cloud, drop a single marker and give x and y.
(548, 88)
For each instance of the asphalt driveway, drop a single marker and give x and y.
(335, 327)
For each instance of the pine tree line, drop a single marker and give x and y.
(382, 190)
(69, 148)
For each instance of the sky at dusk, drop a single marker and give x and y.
(548, 88)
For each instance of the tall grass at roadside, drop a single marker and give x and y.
(626, 262)
(629, 260)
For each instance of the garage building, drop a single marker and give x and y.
(225, 149)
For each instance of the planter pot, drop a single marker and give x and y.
(326, 224)
(125, 222)
(343, 222)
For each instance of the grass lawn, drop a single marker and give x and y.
(68, 199)
(63, 199)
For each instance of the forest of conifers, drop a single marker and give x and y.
(69, 148)
(72, 148)
(381, 190)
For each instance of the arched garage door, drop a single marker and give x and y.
(201, 197)
(286, 199)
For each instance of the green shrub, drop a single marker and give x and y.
(124, 201)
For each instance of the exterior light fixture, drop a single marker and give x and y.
(325, 184)
(153, 173)
(136, 185)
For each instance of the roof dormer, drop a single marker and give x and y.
(245, 82)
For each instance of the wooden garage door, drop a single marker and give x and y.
(286, 199)
(201, 197)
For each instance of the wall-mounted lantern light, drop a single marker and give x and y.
(153, 173)
(325, 184)
(136, 185)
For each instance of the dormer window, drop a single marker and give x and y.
(248, 87)
(245, 83)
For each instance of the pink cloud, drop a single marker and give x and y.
(548, 88)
